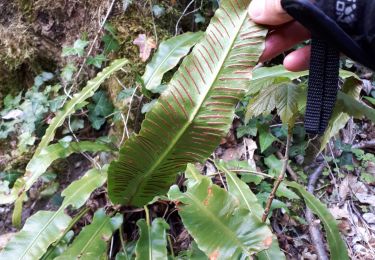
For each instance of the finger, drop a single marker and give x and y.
(298, 60)
(283, 39)
(268, 12)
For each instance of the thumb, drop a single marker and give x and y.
(268, 12)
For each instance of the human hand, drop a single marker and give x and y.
(284, 34)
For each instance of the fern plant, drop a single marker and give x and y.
(196, 110)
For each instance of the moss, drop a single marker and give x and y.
(16, 45)
(137, 20)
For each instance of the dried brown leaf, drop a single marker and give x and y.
(145, 44)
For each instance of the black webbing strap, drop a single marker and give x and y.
(322, 86)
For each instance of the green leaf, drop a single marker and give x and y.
(167, 57)
(193, 253)
(272, 253)
(355, 107)
(152, 243)
(265, 76)
(148, 106)
(45, 227)
(242, 192)
(110, 43)
(158, 10)
(248, 200)
(99, 109)
(265, 138)
(68, 71)
(284, 97)
(194, 113)
(102, 105)
(199, 18)
(218, 223)
(352, 87)
(249, 129)
(77, 48)
(39, 164)
(370, 99)
(70, 106)
(336, 245)
(91, 243)
(97, 60)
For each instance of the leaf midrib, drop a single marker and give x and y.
(217, 221)
(195, 111)
(62, 207)
(95, 235)
(61, 116)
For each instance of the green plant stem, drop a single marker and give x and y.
(122, 242)
(170, 245)
(279, 179)
(71, 224)
(147, 215)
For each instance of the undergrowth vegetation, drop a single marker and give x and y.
(193, 171)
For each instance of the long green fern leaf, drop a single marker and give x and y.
(39, 164)
(196, 110)
(45, 227)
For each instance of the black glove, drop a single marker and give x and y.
(346, 26)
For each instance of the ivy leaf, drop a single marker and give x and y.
(145, 44)
(198, 18)
(101, 108)
(125, 93)
(158, 11)
(12, 102)
(265, 138)
(248, 129)
(96, 121)
(110, 43)
(67, 72)
(97, 60)
(77, 48)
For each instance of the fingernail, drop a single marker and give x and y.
(256, 8)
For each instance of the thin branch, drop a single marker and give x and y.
(289, 169)
(153, 23)
(184, 14)
(101, 25)
(314, 228)
(364, 144)
(279, 179)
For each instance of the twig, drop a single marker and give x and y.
(153, 23)
(364, 144)
(101, 25)
(314, 229)
(184, 14)
(279, 179)
(289, 169)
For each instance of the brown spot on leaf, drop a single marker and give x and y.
(214, 255)
(268, 241)
(209, 194)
